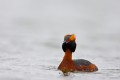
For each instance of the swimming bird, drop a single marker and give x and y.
(71, 65)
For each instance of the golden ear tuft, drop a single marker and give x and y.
(73, 37)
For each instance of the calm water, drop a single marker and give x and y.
(31, 35)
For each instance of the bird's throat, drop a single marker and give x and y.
(68, 55)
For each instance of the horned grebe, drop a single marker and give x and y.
(69, 65)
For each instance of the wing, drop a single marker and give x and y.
(80, 62)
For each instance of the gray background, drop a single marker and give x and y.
(32, 31)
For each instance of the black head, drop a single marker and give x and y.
(69, 43)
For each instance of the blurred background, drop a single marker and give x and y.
(32, 32)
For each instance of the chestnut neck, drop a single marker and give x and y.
(68, 55)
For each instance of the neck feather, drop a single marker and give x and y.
(68, 55)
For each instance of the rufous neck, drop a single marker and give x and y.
(68, 55)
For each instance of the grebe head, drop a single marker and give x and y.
(69, 43)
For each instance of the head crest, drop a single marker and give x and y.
(69, 38)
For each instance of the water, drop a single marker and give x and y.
(31, 34)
